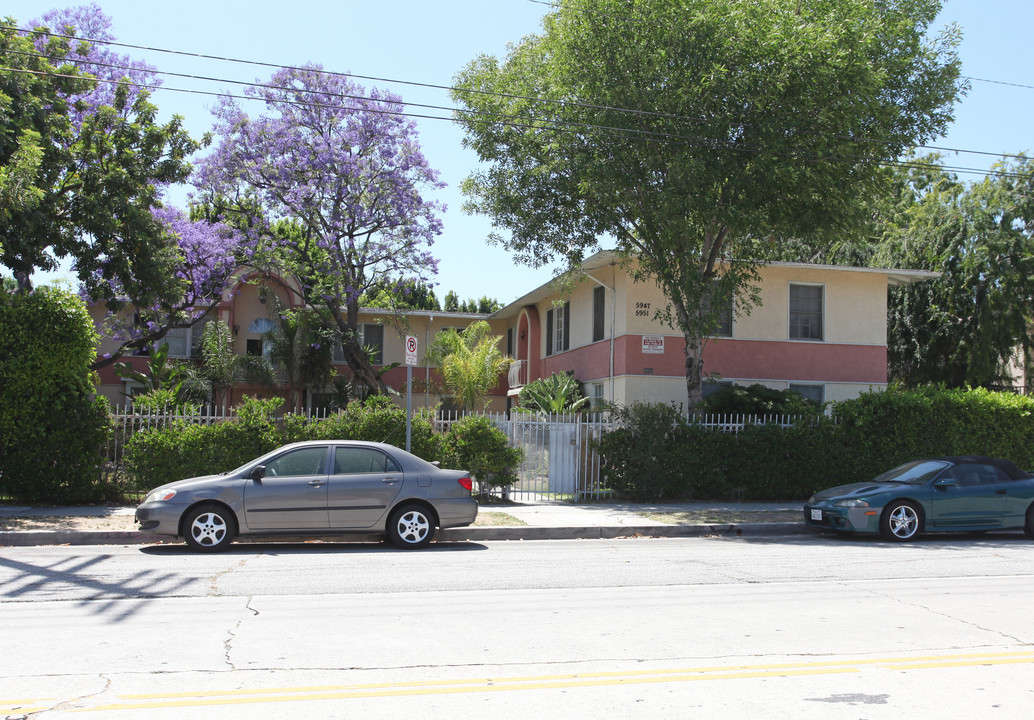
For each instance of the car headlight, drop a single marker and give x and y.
(852, 503)
(160, 496)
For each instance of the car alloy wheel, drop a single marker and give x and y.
(410, 527)
(209, 528)
(900, 521)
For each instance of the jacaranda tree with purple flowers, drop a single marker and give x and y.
(83, 167)
(343, 168)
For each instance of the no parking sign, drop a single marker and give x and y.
(410, 350)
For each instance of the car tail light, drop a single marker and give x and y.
(466, 483)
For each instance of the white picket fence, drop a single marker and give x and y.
(560, 462)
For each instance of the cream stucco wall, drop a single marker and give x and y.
(855, 313)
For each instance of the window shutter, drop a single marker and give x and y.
(598, 299)
(567, 326)
(549, 332)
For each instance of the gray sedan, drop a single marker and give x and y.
(314, 488)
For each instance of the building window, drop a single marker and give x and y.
(596, 394)
(722, 321)
(254, 347)
(177, 340)
(806, 312)
(261, 326)
(184, 342)
(197, 331)
(815, 393)
(558, 329)
(599, 296)
(371, 337)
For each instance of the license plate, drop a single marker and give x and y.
(816, 515)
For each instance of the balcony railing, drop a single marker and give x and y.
(518, 375)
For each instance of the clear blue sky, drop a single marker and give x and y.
(425, 42)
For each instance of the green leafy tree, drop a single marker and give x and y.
(696, 135)
(470, 363)
(968, 325)
(81, 170)
(557, 394)
(452, 302)
(407, 295)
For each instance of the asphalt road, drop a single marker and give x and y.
(652, 628)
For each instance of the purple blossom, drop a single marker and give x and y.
(89, 23)
(343, 163)
(209, 255)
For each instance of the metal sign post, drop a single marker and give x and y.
(410, 362)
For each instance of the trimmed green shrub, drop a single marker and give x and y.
(477, 445)
(378, 419)
(185, 449)
(757, 400)
(657, 454)
(52, 424)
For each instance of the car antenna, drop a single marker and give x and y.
(394, 430)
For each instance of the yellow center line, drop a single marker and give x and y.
(551, 682)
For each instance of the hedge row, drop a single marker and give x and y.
(182, 450)
(658, 454)
(52, 424)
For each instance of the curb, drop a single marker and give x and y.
(29, 538)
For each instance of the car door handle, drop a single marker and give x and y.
(1001, 492)
(389, 481)
(315, 483)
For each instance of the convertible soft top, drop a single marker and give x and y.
(1007, 466)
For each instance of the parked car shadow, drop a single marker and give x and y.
(297, 548)
(932, 541)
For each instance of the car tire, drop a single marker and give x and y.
(1028, 525)
(410, 527)
(901, 521)
(209, 528)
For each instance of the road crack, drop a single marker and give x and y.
(927, 608)
(231, 634)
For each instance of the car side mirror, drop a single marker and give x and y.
(257, 473)
(946, 482)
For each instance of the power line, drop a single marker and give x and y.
(998, 82)
(577, 128)
(331, 73)
(509, 120)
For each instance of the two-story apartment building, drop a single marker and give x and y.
(820, 330)
(247, 310)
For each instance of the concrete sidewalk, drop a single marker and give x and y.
(542, 521)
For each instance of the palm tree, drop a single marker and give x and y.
(470, 363)
(301, 346)
(220, 367)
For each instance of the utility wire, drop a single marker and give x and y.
(570, 127)
(505, 119)
(562, 103)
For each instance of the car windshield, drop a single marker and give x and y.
(913, 473)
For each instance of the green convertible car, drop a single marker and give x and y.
(965, 493)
